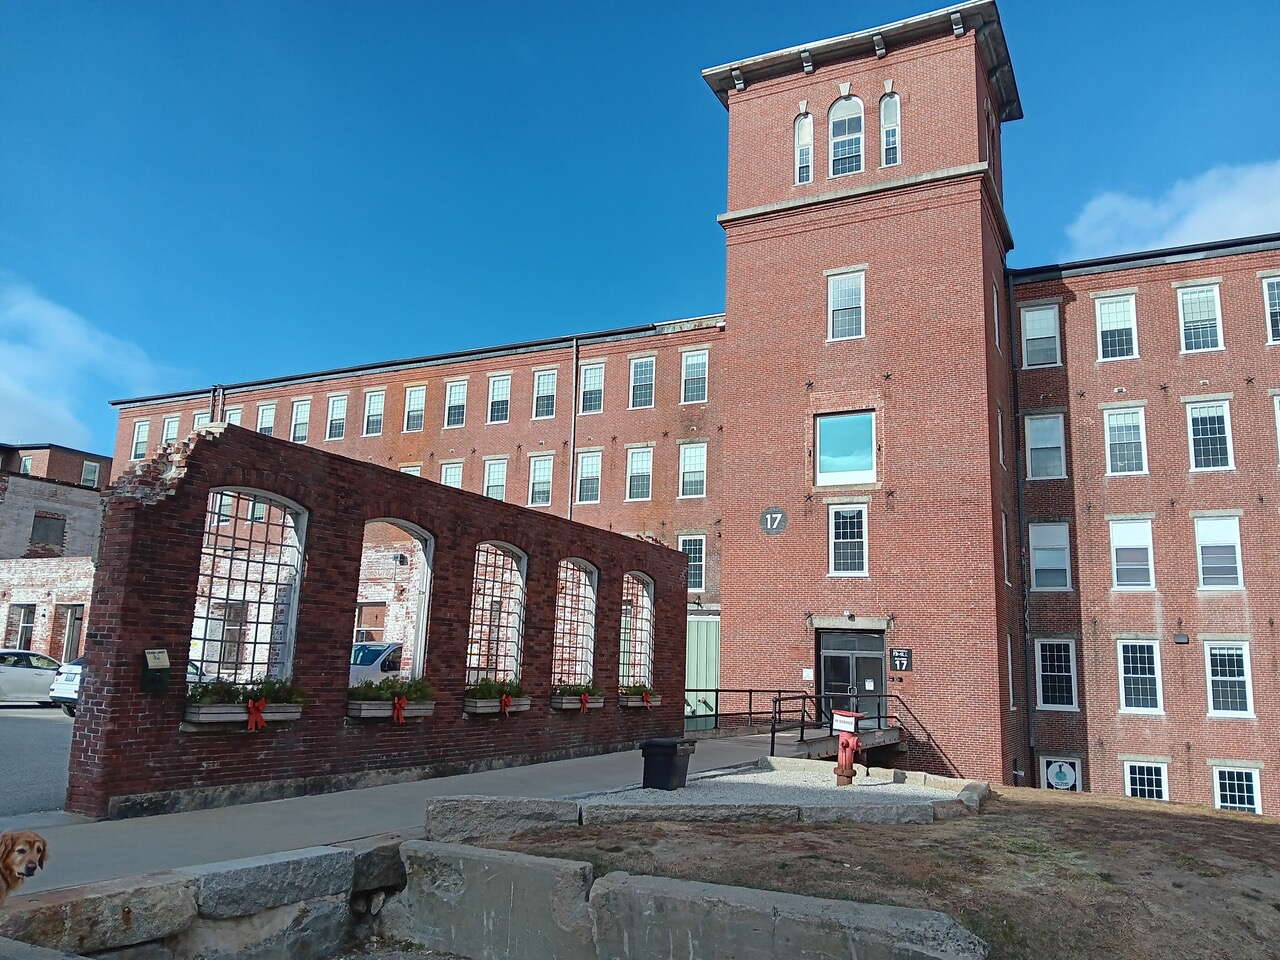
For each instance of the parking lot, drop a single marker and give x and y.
(34, 745)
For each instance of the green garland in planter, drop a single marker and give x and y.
(638, 690)
(576, 689)
(224, 691)
(387, 689)
(490, 689)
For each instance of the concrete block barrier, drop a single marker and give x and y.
(454, 819)
(14, 950)
(594, 814)
(310, 930)
(237, 888)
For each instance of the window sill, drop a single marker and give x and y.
(637, 499)
(861, 336)
(1065, 590)
(1129, 473)
(1220, 589)
(646, 407)
(585, 503)
(1212, 469)
(495, 423)
(551, 417)
(692, 496)
(1224, 715)
(1054, 709)
(1036, 479)
(847, 574)
(1118, 359)
(1150, 589)
(1202, 350)
(589, 413)
(1042, 366)
(690, 403)
(537, 506)
(1139, 712)
(333, 439)
(453, 426)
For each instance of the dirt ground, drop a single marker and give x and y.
(1039, 874)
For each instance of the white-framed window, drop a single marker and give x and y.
(544, 394)
(1218, 559)
(693, 376)
(589, 476)
(26, 464)
(1229, 677)
(1132, 555)
(1236, 788)
(336, 421)
(141, 432)
(1141, 685)
(845, 141)
(995, 313)
(499, 399)
(591, 388)
(639, 473)
(1056, 674)
(451, 474)
(415, 409)
(847, 540)
(1117, 322)
(804, 148)
(1271, 302)
(413, 469)
(1041, 346)
(1126, 441)
(1046, 447)
(1000, 433)
(844, 448)
(232, 415)
(1050, 557)
(266, 419)
(890, 130)
(301, 422)
(1146, 781)
(1209, 435)
(495, 478)
(1060, 773)
(540, 469)
(1200, 316)
(641, 382)
(693, 470)
(200, 419)
(1004, 544)
(695, 550)
(1276, 404)
(844, 305)
(89, 471)
(169, 429)
(455, 403)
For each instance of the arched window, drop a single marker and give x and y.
(247, 592)
(846, 136)
(574, 639)
(497, 614)
(804, 148)
(890, 130)
(636, 635)
(393, 599)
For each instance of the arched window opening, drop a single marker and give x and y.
(497, 614)
(846, 136)
(247, 592)
(574, 639)
(636, 634)
(804, 148)
(392, 602)
(890, 127)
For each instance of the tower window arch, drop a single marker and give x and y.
(804, 148)
(845, 124)
(636, 634)
(890, 130)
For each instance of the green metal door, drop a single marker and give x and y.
(701, 672)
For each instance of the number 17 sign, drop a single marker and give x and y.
(900, 659)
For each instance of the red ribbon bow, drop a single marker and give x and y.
(256, 720)
(583, 700)
(504, 704)
(645, 699)
(397, 709)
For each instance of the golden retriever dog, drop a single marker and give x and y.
(22, 853)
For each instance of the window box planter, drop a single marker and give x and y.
(575, 703)
(239, 713)
(635, 700)
(383, 709)
(518, 705)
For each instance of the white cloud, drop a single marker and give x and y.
(1221, 203)
(55, 365)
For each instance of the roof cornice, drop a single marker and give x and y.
(1147, 258)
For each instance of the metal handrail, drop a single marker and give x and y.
(761, 695)
(883, 720)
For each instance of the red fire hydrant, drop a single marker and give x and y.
(845, 722)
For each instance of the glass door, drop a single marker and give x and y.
(837, 682)
(868, 682)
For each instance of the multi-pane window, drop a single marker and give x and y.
(642, 382)
(1218, 553)
(141, 432)
(589, 477)
(455, 403)
(1226, 668)
(1140, 676)
(1209, 434)
(1201, 318)
(847, 540)
(169, 429)
(415, 409)
(846, 136)
(1117, 327)
(890, 130)
(846, 448)
(25, 465)
(544, 394)
(591, 394)
(639, 473)
(695, 550)
(635, 661)
(693, 376)
(1056, 674)
(451, 474)
(496, 632)
(693, 470)
(1147, 781)
(804, 148)
(1132, 565)
(495, 478)
(1050, 556)
(232, 415)
(200, 419)
(1046, 452)
(1040, 345)
(844, 305)
(266, 419)
(573, 639)
(499, 399)
(413, 469)
(1236, 788)
(1126, 440)
(301, 421)
(336, 423)
(89, 473)
(540, 481)
(22, 625)
(1271, 299)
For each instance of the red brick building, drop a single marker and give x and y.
(864, 514)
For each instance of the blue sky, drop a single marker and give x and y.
(196, 192)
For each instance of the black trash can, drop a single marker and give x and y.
(666, 762)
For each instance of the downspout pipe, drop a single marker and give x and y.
(572, 472)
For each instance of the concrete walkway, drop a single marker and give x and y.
(86, 851)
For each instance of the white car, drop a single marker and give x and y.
(26, 675)
(65, 689)
(374, 661)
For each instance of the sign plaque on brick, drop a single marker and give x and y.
(900, 660)
(773, 520)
